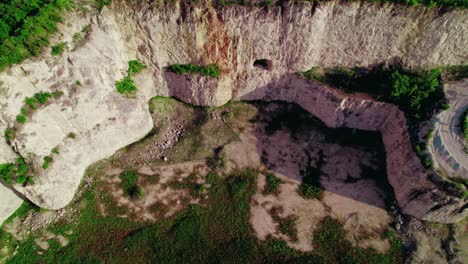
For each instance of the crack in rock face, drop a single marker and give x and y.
(290, 40)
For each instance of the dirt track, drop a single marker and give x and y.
(448, 146)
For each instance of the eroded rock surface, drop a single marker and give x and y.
(295, 38)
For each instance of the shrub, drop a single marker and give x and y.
(418, 93)
(129, 180)
(76, 37)
(100, 4)
(210, 70)
(42, 97)
(71, 135)
(55, 150)
(310, 191)
(126, 86)
(134, 67)
(464, 124)
(78, 83)
(7, 172)
(58, 49)
(47, 161)
(21, 119)
(31, 102)
(9, 134)
(272, 184)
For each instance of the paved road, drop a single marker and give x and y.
(448, 145)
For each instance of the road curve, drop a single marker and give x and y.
(447, 146)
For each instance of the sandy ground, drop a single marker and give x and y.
(9, 202)
(448, 145)
(364, 223)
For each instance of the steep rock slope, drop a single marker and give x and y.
(294, 38)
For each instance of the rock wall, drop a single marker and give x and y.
(294, 38)
(414, 192)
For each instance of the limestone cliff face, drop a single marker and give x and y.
(293, 38)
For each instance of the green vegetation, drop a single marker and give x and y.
(21, 119)
(71, 135)
(330, 242)
(134, 67)
(100, 4)
(22, 211)
(58, 49)
(9, 134)
(287, 226)
(418, 93)
(15, 172)
(25, 28)
(272, 184)
(310, 186)
(464, 124)
(218, 231)
(210, 70)
(126, 86)
(196, 189)
(130, 186)
(455, 72)
(55, 150)
(47, 161)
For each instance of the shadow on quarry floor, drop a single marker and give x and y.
(344, 161)
(281, 137)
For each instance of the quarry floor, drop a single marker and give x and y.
(279, 139)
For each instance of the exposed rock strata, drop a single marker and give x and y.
(295, 38)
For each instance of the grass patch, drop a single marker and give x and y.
(58, 49)
(310, 186)
(272, 184)
(21, 119)
(16, 172)
(47, 161)
(330, 243)
(126, 86)
(217, 232)
(287, 226)
(130, 186)
(134, 67)
(210, 70)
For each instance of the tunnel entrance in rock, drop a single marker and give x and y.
(263, 64)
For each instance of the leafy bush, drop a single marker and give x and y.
(272, 184)
(25, 28)
(455, 72)
(210, 70)
(134, 67)
(129, 184)
(47, 161)
(126, 86)
(42, 97)
(18, 172)
(21, 119)
(310, 191)
(418, 93)
(58, 49)
(9, 134)
(100, 4)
